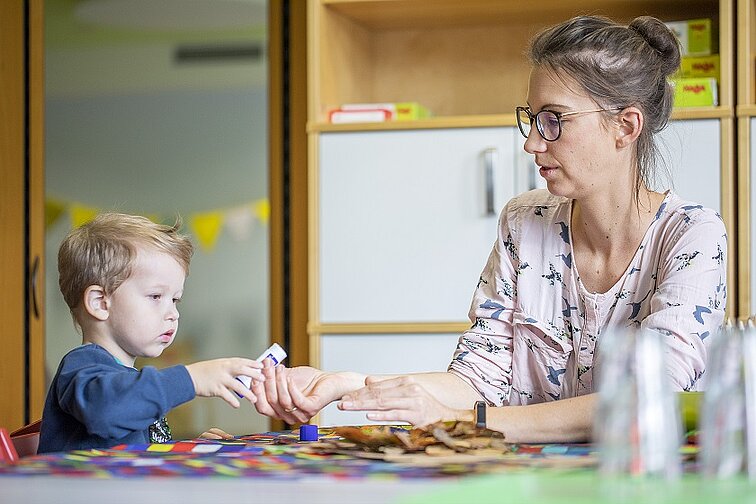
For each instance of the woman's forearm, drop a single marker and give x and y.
(564, 421)
(447, 388)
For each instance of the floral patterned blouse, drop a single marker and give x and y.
(536, 327)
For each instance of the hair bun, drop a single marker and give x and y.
(661, 38)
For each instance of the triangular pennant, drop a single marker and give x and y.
(239, 222)
(207, 227)
(262, 210)
(81, 214)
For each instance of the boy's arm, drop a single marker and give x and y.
(112, 401)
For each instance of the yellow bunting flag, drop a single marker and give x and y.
(207, 227)
(53, 210)
(262, 210)
(81, 214)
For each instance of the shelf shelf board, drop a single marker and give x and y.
(411, 14)
(747, 110)
(493, 120)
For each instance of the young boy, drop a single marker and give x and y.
(122, 276)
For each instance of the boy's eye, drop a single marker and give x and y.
(176, 300)
(156, 297)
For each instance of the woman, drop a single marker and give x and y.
(599, 250)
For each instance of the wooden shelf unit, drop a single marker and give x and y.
(465, 61)
(462, 58)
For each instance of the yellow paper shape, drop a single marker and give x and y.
(53, 210)
(262, 210)
(81, 214)
(206, 227)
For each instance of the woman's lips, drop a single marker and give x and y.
(546, 171)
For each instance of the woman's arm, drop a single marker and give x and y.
(688, 306)
(422, 399)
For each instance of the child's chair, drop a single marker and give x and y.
(19, 443)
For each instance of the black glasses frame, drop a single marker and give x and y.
(539, 126)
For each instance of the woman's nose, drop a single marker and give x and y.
(534, 142)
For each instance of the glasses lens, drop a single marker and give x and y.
(523, 121)
(548, 125)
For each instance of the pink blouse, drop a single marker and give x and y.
(536, 327)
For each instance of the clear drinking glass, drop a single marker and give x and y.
(728, 416)
(637, 426)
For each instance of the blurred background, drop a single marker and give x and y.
(159, 107)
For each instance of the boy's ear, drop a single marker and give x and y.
(630, 121)
(96, 302)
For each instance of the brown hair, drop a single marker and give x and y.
(101, 252)
(618, 66)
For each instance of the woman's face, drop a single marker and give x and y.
(581, 161)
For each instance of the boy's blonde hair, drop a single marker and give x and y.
(102, 251)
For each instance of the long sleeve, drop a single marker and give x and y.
(689, 301)
(483, 356)
(96, 402)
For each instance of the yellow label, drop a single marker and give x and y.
(699, 66)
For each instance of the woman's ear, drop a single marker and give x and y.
(96, 302)
(630, 121)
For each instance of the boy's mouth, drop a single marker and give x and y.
(167, 336)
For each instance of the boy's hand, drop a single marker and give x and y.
(217, 378)
(215, 433)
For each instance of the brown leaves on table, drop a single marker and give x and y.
(440, 437)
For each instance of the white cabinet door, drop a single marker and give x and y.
(691, 150)
(403, 227)
(381, 354)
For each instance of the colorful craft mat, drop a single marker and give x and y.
(277, 455)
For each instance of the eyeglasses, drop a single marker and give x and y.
(548, 123)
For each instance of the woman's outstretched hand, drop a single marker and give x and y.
(297, 394)
(401, 399)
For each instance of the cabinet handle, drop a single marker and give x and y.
(33, 285)
(490, 156)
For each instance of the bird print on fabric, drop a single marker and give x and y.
(507, 289)
(568, 308)
(536, 327)
(699, 312)
(567, 259)
(554, 374)
(492, 305)
(720, 255)
(686, 259)
(661, 210)
(553, 275)
(564, 231)
(510, 246)
(636, 306)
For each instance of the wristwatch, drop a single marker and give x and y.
(480, 414)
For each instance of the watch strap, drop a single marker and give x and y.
(480, 414)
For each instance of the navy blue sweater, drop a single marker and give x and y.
(96, 402)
